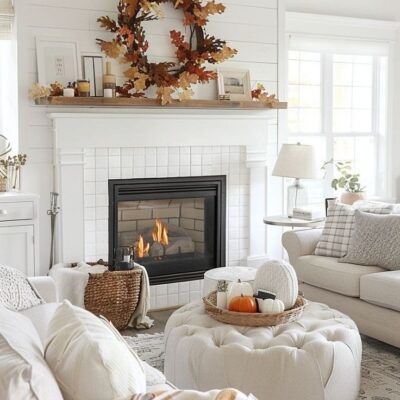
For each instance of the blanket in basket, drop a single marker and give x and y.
(71, 284)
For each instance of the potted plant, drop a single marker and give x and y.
(348, 181)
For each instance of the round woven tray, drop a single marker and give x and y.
(252, 319)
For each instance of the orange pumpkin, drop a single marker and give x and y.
(246, 304)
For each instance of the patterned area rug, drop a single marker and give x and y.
(380, 365)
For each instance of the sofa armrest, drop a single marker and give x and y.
(300, 242)
(46, 287)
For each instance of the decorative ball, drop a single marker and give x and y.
(279, 277)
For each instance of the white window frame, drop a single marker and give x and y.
(352, 29)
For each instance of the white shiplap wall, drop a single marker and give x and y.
(253, 27)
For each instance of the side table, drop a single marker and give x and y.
(284, 220)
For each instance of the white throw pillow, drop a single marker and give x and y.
(89, 358)
(24, 374)
(16, 293)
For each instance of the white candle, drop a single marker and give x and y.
(69, 92)
(108, 92)
(127, 258)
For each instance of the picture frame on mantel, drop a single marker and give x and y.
(57, 60)
(93, 71)
(235, 84)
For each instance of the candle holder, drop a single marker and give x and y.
(124, 258)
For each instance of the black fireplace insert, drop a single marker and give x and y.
(175, 226)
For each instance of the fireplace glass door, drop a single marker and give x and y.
(175, 226)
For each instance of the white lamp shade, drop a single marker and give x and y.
(296, 161)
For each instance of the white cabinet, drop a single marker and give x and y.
(19, 232)
(17, 248)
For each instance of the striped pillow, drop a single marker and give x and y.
(339, 226)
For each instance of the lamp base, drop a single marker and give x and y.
(296, 196)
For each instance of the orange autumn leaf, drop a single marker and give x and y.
(111, 49)
(211, 8)
(131, 7)
(165, 95)
(124, 30)
(178, 3)
(186, 94)
(186, 79)
(130, 73)
(225, 53)
(178, 39)
(108, 23)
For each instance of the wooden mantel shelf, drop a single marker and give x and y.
(152, 103)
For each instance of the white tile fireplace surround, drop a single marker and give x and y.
(92, 147)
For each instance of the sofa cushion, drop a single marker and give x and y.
(90, 359)
(24, 374)
(375, 241)
(382, 289)
(41, 316)
(328, 273)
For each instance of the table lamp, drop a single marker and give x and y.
(296, 161)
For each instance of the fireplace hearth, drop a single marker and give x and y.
(175, 226)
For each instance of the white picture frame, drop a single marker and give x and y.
(93, 70)
(57, 60)
(234, 83)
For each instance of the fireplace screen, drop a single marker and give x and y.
(160, 229)
(176, 226)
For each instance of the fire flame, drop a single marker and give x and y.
(160, 233)
(142, 250)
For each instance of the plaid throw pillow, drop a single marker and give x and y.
(339, 226)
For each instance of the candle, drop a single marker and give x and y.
(108, 92)
(83, 88)
(69, 92)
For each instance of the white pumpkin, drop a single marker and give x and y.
(270, 306)
(278, 277)
(238, 288)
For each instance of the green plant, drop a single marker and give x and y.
(346, 180)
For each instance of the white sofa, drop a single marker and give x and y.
(369, 295)
(42, 314)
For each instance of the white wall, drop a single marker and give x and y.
(372, 9)
(254, 27)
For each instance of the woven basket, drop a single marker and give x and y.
(252, 319)
(114, 295)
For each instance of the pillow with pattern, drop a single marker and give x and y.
(16, 293)
(375, 241)
(339, 226)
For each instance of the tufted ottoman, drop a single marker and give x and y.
(316, 358)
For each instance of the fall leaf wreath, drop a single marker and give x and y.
(130, 46)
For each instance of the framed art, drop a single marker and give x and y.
(93, 70)
(57, 60)
(234, 83)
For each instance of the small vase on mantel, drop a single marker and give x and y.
(350, 198)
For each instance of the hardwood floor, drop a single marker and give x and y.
(160, 319)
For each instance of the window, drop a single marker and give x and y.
(337, 102)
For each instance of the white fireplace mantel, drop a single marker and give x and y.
(116, 128)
